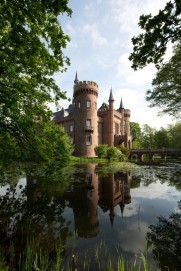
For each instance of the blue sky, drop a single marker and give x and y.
(101, 32)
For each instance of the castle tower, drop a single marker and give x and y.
(111, 119)
(127, 121)
(121, 110)
(85, 99)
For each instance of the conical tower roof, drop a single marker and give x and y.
(76, 79)
(121, 104)
(111, 96)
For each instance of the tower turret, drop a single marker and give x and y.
(85, 98)
(121, 104)
(76, 79)
(111, 119)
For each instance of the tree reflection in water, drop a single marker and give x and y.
(38, 210)
(166, 239)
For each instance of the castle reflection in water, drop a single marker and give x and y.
(105, 192)
(89, 191)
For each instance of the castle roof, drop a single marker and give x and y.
(57, 115)
(121, 104)
(111, 96)
(76, 79)
(103, 107)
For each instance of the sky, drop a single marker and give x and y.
(101, 32)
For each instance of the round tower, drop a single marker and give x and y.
(127, 114)
(86, 133)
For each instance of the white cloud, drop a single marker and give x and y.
(127, 13)
(101, 33)
(156, 190)
(139, 77)
(95, 35)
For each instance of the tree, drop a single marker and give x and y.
(162, 139)
(158, 30)
(147, 137)
(31, 51)
(135, 130)
(165, 237)
(135, 133)
(174, 132)
(166, 86)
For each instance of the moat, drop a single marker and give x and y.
(91, 207)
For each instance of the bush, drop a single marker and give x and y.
(113, 152)
(101, 150)
(124, 150)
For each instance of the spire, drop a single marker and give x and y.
(111, 96)
(76, 79)
(122, 208)
(112, 215)
(121, 104)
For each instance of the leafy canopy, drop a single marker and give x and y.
(150, 46)
(31, 51)
(166, 92)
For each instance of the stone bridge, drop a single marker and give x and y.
(163, 153)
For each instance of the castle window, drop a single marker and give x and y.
(71, 128)
(88, 122)
(88, 140)
(88, 104)
(78, 104)
(95, 105)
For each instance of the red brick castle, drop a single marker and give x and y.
(89, 126)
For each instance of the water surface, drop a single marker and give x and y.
(89, 207)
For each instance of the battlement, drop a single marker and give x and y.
(89, 83)
(85, 87)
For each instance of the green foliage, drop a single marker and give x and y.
(56, 146)
(31, 51)
(47, 142)
(101, 150)
(135, 130)
(162, 139)
(174, 132)
(166, 86)
(123, 150)
(113, 152)
(158, 30)
(150, 47)
(136, 144)
(165, 237)
(147, 139)
(169, 137)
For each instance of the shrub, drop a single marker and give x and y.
(113, 152)
(124, 150)
(101, 150)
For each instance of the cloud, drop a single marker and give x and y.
(156, 190)
(139, 77)
(95, 35)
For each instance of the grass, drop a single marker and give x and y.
(33, 259)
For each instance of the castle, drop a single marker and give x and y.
(89, 126)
